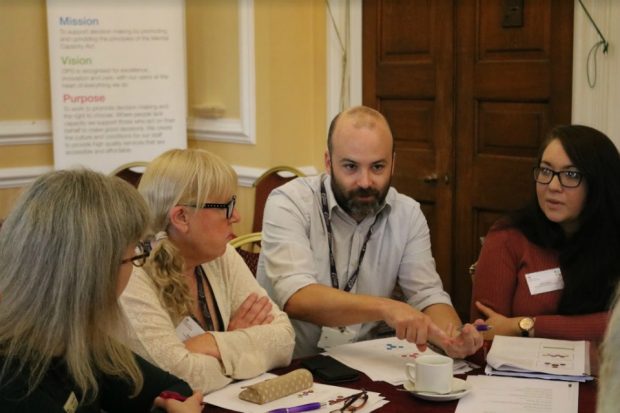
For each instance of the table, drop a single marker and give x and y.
(404, 402)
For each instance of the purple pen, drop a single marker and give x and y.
(479, 327)
(296, 409)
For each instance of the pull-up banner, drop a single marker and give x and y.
(118, 87)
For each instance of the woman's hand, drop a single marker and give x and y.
(192, 404)
(252, 312)
(460, 343)
(502, 325)
(205, 344)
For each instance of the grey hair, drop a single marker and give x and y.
(60, 253)
(187, 177)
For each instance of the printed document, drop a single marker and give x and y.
(384, 359)
(517, 395)
(539, 357)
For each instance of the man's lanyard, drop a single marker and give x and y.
(330, 240)
(202, 300)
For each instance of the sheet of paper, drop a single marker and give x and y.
(228, 398)
(515, 395)
(384, 359)
(511, 373)
(527, 354)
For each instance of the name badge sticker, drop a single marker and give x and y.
(335, 336)
(71, 404)
(545, 281)
(188, 328)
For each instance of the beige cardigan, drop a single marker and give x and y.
(245, 353)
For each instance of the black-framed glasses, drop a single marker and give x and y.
(567, 178)
(143, 250)
(229, 206)
(352, 403)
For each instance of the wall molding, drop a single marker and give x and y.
(19, 177)
(232, 130)
(248, 174)
(25, 132)
(228, 130)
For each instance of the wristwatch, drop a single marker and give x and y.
(526, 324)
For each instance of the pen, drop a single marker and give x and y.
(479, 327)
(296, 409)
(175, 396)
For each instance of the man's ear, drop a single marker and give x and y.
(179, 218)
(328, 162)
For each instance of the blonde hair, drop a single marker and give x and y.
(60, 252)
(187, 177)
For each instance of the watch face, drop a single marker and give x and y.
(526, 324)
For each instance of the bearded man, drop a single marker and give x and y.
(335, 246)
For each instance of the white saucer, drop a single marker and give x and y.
(459, 389)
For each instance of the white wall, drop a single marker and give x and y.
(598, 107)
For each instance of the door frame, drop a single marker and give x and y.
(351, 35)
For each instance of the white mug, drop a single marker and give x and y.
(431, 373)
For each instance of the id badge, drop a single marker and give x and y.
(335, 336)
(188, 328)
(545, 281)
(71, 404)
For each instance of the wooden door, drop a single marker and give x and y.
(408, 63)
(470, 88)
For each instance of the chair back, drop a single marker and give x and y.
(248, 246)
(264, 184)
(131, 172)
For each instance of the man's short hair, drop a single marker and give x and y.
(364, 117)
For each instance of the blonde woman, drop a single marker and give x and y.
(195, 307)
(66, 253)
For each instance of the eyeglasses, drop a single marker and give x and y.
(568, 179)
(143, 250)
(352, 403)
(229, 206)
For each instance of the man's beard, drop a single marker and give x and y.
(356, 208)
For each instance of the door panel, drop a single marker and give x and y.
(469, 102)
(508, 96)
(407, 76)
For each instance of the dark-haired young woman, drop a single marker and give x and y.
(550, 269)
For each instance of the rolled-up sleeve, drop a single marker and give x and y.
(287, 261)
(417, 274)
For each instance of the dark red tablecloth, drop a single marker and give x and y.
(401, 402)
